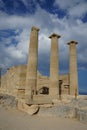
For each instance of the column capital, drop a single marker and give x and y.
(72, 42)
(54, 35)
(35, 28)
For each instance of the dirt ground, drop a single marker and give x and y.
(12, 119)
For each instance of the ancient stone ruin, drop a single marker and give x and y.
(25, 81)
(24, 87)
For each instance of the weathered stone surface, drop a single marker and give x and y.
(81, 114)
(60, 110)
(8, 101)
(68, 108)
(31, 74)
(54, 67)
(65, 88)
(25, 82)
(13, 80)
(26, 108)
(73, 69)
(42, 99)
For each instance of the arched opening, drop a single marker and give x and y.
(44, 90)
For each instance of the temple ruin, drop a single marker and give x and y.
(25, 81)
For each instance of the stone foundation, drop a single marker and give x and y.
(13, 82)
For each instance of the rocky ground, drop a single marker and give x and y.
(7, 101)
(12, 119)
(49, 117)
(68, 107)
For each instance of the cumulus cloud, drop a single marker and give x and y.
(79, 10)
(14, 48)
(14, 21)
(64, 4)
(74, 8)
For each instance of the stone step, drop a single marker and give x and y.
(40, 99)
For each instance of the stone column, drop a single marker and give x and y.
(31, 75)
(54, 67)
(73, 69)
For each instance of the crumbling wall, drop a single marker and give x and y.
(65, 88)
(42, 81)
(14, 81)
(20, 88)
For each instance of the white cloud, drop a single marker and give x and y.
(79, 10)
(23, 41)
(44, 43)
(48, 24)
(75, 8)
(64, 4)
(14, 53)
(14, 21)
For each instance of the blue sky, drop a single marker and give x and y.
(68, 18)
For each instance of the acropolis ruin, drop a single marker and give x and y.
(27, 83)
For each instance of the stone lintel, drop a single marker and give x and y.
(54, 35)
(72, 42)
(35, 28)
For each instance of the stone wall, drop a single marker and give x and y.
(65, 88)
(43, 81)
(13, 82)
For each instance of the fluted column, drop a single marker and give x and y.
(73, 69)
(31, 74)
(54, 67)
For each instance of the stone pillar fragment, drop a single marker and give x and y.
(73, 68)
(31, 74)
(54, 67)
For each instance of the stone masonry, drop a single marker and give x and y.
(14, 82)
(54, 67)
(25, 81)
(73, 69)
(31, 75)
